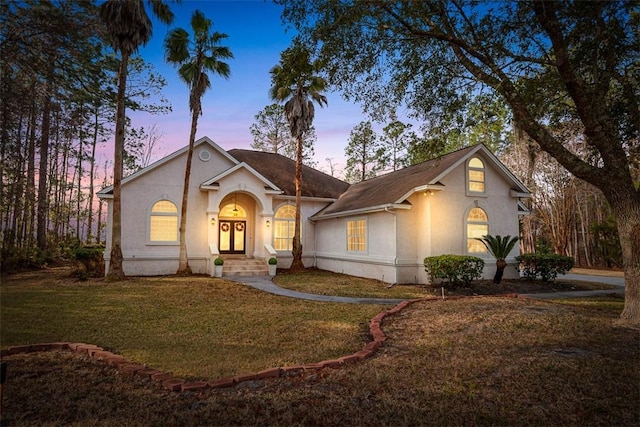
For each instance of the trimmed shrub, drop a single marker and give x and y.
(546, 266)
(456, 269)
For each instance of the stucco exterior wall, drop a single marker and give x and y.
(435, 224)
(398, 238)
(142, 257)
(308, 231)
(414, 238)
(451, 206)
(378, 262)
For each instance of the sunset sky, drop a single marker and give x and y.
(256, 38)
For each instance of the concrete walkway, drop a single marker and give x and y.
(265, 284)
(614, 279)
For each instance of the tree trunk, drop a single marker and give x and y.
(183, 264)
(500, 266)
(116, 271)
(41, 228)
(79, 177)
(92, 168)
(296, 263)
(30, 207)
(627, 212)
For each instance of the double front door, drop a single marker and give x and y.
(232, 237)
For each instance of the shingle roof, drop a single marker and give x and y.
(281, 170)
(390, 188)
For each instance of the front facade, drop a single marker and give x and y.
(242, 205)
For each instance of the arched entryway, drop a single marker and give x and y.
(232, 228)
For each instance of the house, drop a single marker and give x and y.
(242, 207)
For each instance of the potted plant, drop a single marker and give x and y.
(272, 266)
(218, 262)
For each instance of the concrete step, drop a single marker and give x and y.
(245, 267)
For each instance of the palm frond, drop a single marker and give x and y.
(498, 246)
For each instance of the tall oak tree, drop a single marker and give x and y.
(550, 61)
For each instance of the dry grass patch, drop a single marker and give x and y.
(489, 361)
(500, 361)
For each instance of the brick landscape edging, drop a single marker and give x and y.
(172, 383)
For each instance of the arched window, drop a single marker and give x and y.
(284, 227)
(475, 176)
(477, 226)
(163, 222)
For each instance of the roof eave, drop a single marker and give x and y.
(282, 196)
(420, 188)
(367, 210)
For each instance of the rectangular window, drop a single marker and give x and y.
(357, 235)
(473, 231)
(283, 235)
(476, 181)
(163, 228)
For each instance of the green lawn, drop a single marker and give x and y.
(327, 283)
(195, 327)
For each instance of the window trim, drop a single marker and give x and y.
(151, 214)
(366, 235)
(468, 222)
(468, 179)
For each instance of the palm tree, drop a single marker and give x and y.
(128, 26)
(194, 59)
(499, 247)
(295, 81)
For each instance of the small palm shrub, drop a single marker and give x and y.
(456, 269)
(499, 247)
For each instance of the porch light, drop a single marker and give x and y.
(268, 223)
(213, 221)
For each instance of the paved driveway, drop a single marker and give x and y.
(615, 280)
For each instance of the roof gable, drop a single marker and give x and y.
(268, 184)
(393, 189)
(108, 191)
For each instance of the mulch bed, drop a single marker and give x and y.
(518, 286)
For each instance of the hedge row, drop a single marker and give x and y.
(462, 269)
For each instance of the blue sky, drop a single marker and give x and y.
(256, 38)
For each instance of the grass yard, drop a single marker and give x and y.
(323, 282)
(197, 327)
(489, 361)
